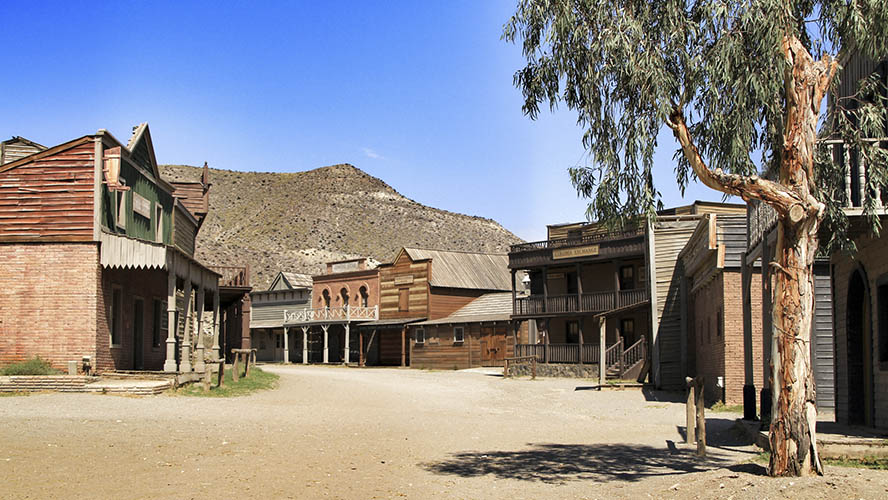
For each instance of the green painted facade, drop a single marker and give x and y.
(133, 224)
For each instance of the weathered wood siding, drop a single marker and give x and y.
(390, 347)
(404, 273)
(441, 353)
(822, 347)
(49, 198)
(445, 301)
(185, 233)
(670, 236)
(732, 234)
(15, 149)
(192, 196)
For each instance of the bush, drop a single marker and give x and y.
(33, 366)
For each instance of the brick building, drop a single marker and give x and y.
(98, 258)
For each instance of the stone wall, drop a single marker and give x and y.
(555, 370)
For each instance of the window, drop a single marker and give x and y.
(627, 329)
(459, 334)
(882, 300)
(326, 298)
(627, 278)
(364, 296)
(573, 332)
(344, 294)
(116, 315)
(403, 299)
(121, 208)
(156, 322)
(420, 336)
(572, 283)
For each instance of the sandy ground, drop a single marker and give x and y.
(333, 432)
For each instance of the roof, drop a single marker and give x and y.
(388, 323)
(297, 280)
(486, 308)
(478, 271)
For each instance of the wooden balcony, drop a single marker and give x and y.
(538, 305)
(233, 276)
(331, 315)
(598, 246)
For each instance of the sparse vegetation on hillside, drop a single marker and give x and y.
(298, 221)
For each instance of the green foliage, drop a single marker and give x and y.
(624, 66)
(721, 407)
(33, 366)
(257, 381)
(877, 463)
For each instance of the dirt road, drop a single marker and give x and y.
(333, 432)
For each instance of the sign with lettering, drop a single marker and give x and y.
(570, 253)
(141, 205)
(404, 280)
(341, 267)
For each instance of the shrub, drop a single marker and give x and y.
(33, 366)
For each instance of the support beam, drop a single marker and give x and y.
(216, 318)
(169, 364)
(602, 348)
(246, 307)
(304, 345)
(286, 345)
(545, 291)
(360, 347)
(199, 362)
(347, 347)
(326, 344)
(514, 305)
(749, 395)
(404, 346)
(185, 365)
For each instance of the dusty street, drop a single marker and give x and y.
(332, 432)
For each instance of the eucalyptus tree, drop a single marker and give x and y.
(741, 85)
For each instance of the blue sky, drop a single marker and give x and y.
(419, 94)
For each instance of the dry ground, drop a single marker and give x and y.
(331, 432)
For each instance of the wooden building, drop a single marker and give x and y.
(273, 341)
(421, 284)
(481, 333)
(586, 274)
(342, 298)
(98, 259)
(711, 286)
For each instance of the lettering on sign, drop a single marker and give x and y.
(569, 253)
(341, 267)
(404, 280)
(556, 276)
(141, 205)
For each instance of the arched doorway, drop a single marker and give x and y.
(859, 344)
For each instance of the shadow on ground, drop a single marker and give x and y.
(556, 463)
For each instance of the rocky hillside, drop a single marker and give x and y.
(299, 221)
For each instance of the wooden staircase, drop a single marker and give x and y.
(626, 363)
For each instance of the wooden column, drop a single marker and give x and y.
(546, 322)
(404, 346)
(304, 345)
(580, 308)
(326, 344)
(286, 345)
(347, 347)
(169, 364)
(546, 293)
(216, 318)
(602, 348)
(749, 396)
(246, 306)
(360, 347)
(199, 362)
(514, 305)
(185, 364)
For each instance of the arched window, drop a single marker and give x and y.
(326, 295)
(364, 296)
(344, 294)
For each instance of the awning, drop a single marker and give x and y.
(464, 319)
(388, 324)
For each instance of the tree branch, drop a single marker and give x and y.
(746, 187)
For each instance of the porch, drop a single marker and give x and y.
(580, 303)
(325, 318)
(621, 362)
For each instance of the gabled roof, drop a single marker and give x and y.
(476, 271)
(489, 307)
(287, 280)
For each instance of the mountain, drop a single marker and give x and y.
(298, 221)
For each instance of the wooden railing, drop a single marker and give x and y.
(577, 241)
(234, 276)
(558, 353)
(613, 356)
(347, 313)
(634, 353)
(587, 302)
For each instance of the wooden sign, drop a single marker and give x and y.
(141, 205)
(570, 253)
(404, 280)
(341, 267)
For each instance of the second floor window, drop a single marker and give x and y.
(326, 298)
(364, 296)
(627, 278)
(403, 299)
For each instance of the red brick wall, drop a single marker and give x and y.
(48, 301)
(707, 301)
(147, 285)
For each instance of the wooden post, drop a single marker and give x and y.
(404, 346)
(533, 368)
(602, 351)
(220, 380)
(286, 346)
(506, 369)
(701, 418)
(234, 370)
(207, 379)
(305, 345)
(690, 414)
(360, 347)
(546, 347)
(514, 306)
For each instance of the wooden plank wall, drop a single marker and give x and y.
(445, 301)
(439, 352)
(11, 151)
(185, 233)
(390, 347)
(732, 234)
(822, 347)
(50, 198)
(192, 196)
(669, 239)
(418, 301)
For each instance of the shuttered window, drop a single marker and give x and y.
(459, 334)
(420, 336)
(403, 299)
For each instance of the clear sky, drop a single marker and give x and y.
(419, 94)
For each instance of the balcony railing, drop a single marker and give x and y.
(577, 241)
(559, 353)
(321, 314)
(233, 276)
(574, 303)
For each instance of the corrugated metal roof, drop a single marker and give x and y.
(478, 271)
(488, 307)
